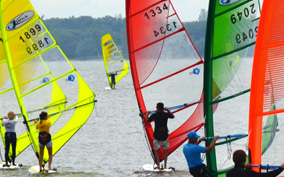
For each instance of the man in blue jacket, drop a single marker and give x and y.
(192, 152)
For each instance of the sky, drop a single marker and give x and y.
(188, 10)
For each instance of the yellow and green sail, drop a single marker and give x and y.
(115, 64)
(42, 77)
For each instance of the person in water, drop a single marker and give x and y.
(44, 138)
(244, 169)
(10, 136)
(192, 151)
(160, 131)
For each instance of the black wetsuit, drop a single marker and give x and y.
(239, 171)
(161, 128)
(112, 76)
(10, 139)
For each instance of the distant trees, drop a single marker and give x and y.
(80, 38)
(203, 15)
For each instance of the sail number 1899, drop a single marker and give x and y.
(28, 36)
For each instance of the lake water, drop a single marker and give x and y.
(112, 141)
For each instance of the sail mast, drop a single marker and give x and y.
(13, 75)
(208, 97)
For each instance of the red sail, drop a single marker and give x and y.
(165, 67)
(267, 88)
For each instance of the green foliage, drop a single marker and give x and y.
(197, 32)
(80, 38)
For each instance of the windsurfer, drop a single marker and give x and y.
(112, 77)
(239, 158)
(160, 131)
(10, 136)
(44, 138)
(192, 151)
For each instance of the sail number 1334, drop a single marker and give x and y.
(163, 30)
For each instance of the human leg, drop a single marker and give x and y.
(165, 146)
(49, 148)
(41, 151)
(50, 157)
(165, 158)
(157, 145)
(7, 148)
(200, 171)
(156, 152)
(14, 143)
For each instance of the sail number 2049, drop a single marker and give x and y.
(243, 36)
(245, 13)
(28, 36)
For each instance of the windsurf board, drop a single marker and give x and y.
(35, 170)
(151, 168)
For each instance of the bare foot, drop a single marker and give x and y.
(157, 167)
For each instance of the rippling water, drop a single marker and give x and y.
(111, 143)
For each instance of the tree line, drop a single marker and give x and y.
(80, 38)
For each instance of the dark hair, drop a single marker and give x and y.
(239, 156)
(160, 106)
(43, 115)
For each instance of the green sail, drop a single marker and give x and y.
(230, 37)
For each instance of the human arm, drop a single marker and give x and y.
(212, 145)
(16, 116)
(168, 111)
(199, 140)
(3, 120)
(273, 173)
(147, 115)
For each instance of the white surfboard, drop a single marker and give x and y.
(35, 170)
(11, 167)
(151, 168)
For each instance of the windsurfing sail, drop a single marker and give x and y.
(42, 76)
(229, 45)
(267, 89)
(9, 103)
(115, 64)
(165, 68)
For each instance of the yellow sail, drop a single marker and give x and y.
(42, 76)
(115, 64)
